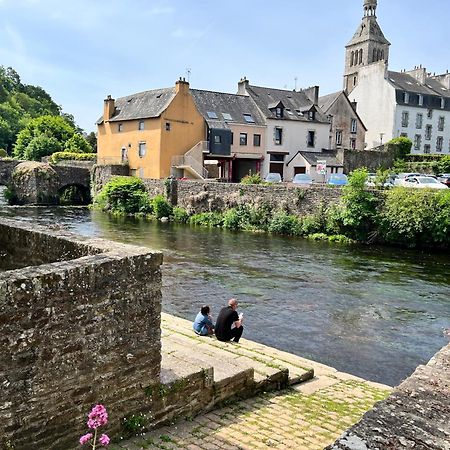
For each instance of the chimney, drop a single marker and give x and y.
(243, 86)
(354, 105)
(182, 86)
(109, 107)
(419, 73)
(313, 94)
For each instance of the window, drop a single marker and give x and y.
(430, 114)
(243, 139)
(404, 135)
(420, 100)
(405, 97)
(278, 136)
(124, 154)
(353, 144)
(417, 142)
(354, 126)
(120, 127)
(142, 149)
(442, 103)
(441, 123)
(257, 140)
(339, 137)
(249, 118)
(141, 125)
(311, 115)
(439, 143)
(167, 126)
(405, 119)
(227, 116)
(427, 148)
(311, 139)
(419, 121)
(276, 158)
(232, 138)
(279, 113)
(217, 139)
(428, 131)
(212, 115)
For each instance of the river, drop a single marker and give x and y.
(371, 311)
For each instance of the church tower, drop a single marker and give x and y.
(367, 46)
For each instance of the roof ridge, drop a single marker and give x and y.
(219, 92)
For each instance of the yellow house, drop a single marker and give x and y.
(147, 130)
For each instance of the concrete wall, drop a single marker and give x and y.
(76, 332)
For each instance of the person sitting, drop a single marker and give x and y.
(229, 323)
(203, 324)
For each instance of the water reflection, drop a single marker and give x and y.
(374, 312)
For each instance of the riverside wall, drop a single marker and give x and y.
(80, 325)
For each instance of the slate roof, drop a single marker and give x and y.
(143, 105)
(368, 30)
(293, 101)
(326, 101)
(406, 82)
(329, 157)
(223, 103)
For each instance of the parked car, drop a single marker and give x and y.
(445, 179)
(338, 179)
(402, 176)
(303, 179)
(273, 178)
(423, 182)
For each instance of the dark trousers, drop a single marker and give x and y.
(236, 333)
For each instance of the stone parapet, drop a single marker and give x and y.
(80, 328)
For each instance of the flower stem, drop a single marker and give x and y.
(95, 440)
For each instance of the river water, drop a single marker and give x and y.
(370, 311)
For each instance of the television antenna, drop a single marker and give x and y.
(188, 74)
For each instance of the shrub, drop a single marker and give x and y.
(403, 146)
(180, 215)
(41, 146)
(161, 207)
(208, 219)
(3, 153)
(444, 164)
(283, 223)
(252, 179)
(232, 220)
(124, 196)
(77, 144)
(70, 156)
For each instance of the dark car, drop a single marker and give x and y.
(445, 179)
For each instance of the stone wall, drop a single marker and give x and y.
(82, 330)
(102, 174)
(415, 416)
(382, 157)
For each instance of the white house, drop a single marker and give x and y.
(412, 103)
(294, 123)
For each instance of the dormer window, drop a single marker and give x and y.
(405, 97)
(420, 100)
(249, 118)
(442, 102)
(312, 115)
(279, 112)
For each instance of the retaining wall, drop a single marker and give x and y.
(81, 328)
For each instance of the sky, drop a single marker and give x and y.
(80, 51)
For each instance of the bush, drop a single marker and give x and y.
(232, 220)
(41, 146)
(283, 223)
(414, 217)
(252, 179)
(77, 144)
(180, 215)
(161, 207)
(444, 164)
(124, 196)
(3, 153)
(208, 219)
(403, 146)
(70, 156)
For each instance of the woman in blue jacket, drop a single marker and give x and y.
(203, 324)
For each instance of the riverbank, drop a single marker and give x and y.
(307, 415)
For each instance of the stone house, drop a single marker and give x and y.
(414, 103)
(294, 123)
(347, 129)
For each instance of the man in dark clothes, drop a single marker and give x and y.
(229, 323)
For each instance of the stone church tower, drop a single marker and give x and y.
(368, 46)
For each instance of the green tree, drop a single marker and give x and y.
(77, 144)
(403, 146)
(54, 127)
(41, 146)
(91, 139)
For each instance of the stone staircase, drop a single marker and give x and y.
(241, 370)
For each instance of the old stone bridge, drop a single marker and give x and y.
(32, 182)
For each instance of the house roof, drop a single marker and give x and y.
(225, 109)
(293, 102)
(327, 101)
(314, 157)
(143, 105)
(406, 82)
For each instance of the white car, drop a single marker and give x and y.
(423, 183)
(273, 178)
(401, 177)
(303, 179)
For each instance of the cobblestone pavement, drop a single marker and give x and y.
(309, 416)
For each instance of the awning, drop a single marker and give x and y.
(248, 156)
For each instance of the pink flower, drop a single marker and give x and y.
(97, 417)
(104, 440)
(85, 438)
